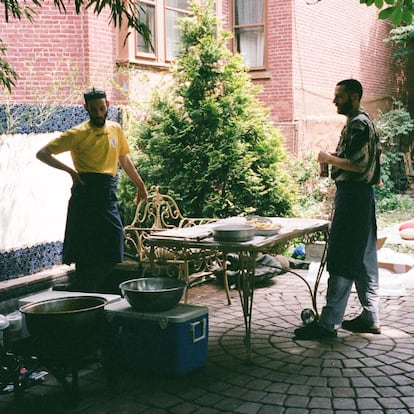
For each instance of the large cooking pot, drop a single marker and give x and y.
(233, 232)
(63, 318)
(153, 294)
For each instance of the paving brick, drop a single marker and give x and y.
(271, 409)
(387, 391)
(354, 373)
(320, 402)
(321, 392)
(344, 392)
(296, 401)
(367, 404)
(248, 408)
(391, 403)
(343, 404)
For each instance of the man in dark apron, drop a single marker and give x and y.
(94, 231)
(352, 250)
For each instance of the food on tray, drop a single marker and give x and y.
(262, 223)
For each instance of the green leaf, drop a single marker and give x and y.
(407, 17)
(386, 13)
(368, 2)
(379, 3)
(397, 16)
(408, 4)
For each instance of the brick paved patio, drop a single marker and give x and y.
(352, 373)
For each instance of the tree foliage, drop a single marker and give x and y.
(403, 38)
(206, 138)
(8, 75)
(398, 11)
(394, 126)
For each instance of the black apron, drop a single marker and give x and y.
(94, 231)
(353, 222)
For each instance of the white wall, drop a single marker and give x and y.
(33, 196)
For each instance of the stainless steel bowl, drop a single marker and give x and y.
(233, 232)
(153, 294)
(64, 317)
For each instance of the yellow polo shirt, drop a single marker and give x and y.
(93, 149)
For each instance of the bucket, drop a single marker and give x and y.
(15, 325)
(4, 324)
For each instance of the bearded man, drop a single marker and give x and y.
(94, 231)
(352, 247)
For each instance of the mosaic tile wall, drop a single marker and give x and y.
(26, 119)
(29, 260)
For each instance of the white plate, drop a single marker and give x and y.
(266, 232)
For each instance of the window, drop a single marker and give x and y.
(249, 31)
(174, 10)
(147, 14)
(161, 17)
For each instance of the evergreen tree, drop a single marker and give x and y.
(206, 139)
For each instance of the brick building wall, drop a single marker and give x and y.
(276, 78)
(335, 41)
(58, 55)
(310, 48)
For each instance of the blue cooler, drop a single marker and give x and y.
(172, 342)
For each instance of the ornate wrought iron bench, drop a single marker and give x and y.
(161, 212)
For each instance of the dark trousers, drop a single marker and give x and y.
(94, 233)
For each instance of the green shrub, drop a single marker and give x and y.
(394, 127)
(315, 194)
(206, 139)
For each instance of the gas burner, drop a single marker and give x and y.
(18, 373)
(30, 359)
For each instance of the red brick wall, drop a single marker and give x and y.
(341, 39)
(59, 54)
(334, 40)
(277, 91)
(311, 48)
(276, 80)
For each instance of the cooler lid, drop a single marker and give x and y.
(179, 313)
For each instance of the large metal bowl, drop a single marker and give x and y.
(233, 232)
(61, 318)
(153, 294)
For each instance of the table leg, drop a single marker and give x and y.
(313, 291)
(246, 279)
(186, 277)
(225, 278)
(318, 279)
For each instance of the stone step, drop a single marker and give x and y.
(13, 289)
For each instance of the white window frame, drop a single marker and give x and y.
(261, 53)
(159, 55)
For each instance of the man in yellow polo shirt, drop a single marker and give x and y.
(93, 235)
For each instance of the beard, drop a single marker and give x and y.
(345, 108)
(98, 121)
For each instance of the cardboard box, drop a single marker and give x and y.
(172, 342)
(395, 262)
(395, 267)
